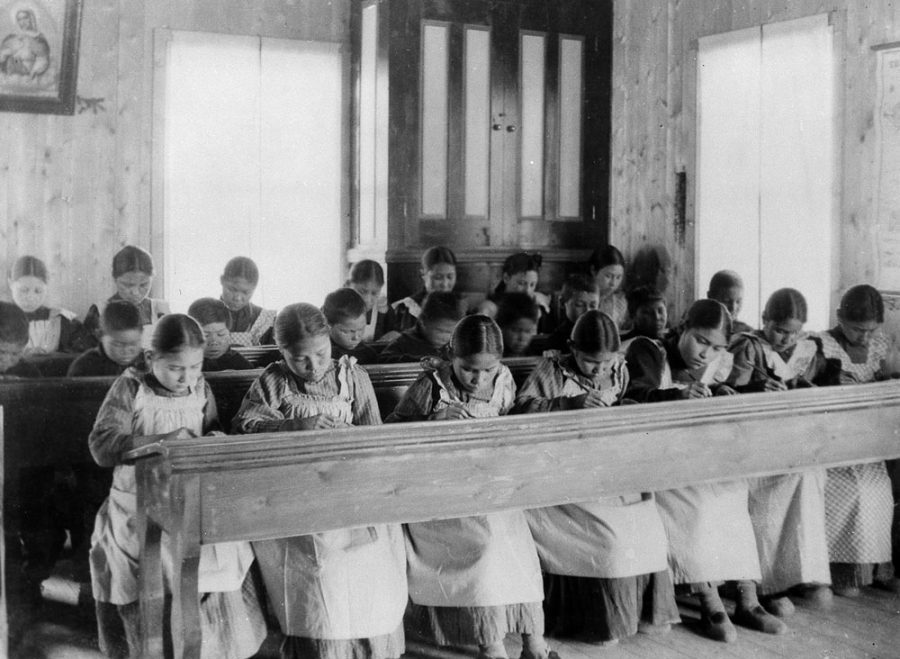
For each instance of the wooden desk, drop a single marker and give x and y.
(48, 420)
(247, 488)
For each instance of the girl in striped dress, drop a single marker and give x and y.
(605, 560)
(338, 594)
(858, 500)
(473, 580)
(788, 510)
(171, 398)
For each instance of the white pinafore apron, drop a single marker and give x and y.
(115, 547)
(43, 335)
(708, 526)
(788, 510)
(260, 326)
(487, 560)
(343, 584)
(859, 504)
(610, 538)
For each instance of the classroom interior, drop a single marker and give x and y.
(349, 129)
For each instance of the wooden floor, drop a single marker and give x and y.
(868, 626)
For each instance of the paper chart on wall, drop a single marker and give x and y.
(887, 139)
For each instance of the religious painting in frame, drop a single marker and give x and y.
(39, 55)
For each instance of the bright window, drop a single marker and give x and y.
(252, 165)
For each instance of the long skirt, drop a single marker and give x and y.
(859, 508)
(231, 623)
(476, 625)
(607, 609)
(386, 646)
(710, 533)
(788, 515)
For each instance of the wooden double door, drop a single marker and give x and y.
(498, 124)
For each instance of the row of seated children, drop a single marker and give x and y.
(473, 580)
(58, 330)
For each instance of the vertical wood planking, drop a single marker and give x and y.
(641, 187)
(73, 189)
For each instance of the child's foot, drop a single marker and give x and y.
(778, 606)
(759, 619)
(817, 596)
(653, 630)
(846, 591)
(535, 647)
(718, 627)
(493, 651)
(548, 654)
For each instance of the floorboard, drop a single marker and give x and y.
(867, 627)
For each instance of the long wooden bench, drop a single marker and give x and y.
(247, 488)
(48, 420)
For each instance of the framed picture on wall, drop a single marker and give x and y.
(39, 55)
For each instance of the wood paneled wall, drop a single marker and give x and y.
(653, 122)
(73, 190)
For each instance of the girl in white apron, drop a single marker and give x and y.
(339, 594)
(788, 510)
(171, 398)
(367, 279)
(50, 329)
(709, 529)
(472, 580)
(132, 272)
(605, 559)
(858, 501)
(250, 325)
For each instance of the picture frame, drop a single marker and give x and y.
(39, 42)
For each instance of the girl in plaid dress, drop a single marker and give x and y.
(858, 500)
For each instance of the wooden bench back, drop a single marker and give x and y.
(48, 420)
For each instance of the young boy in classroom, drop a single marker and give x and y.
(472, 580)
(250, 325)
(438, 272)
(521, 273)
(787, 510)
(709, 529)
(132, 271)
(648, 313)
(580, 293)
(338, 594)
(727, 287)
(858, 500)
(607, 266)
(345, 311)
(120, 343)
(50, 329)
(170, 398)
(429, 337)
(605, 561)
(367, 279)
(13, 339)
(213, 317)
(518, 316)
